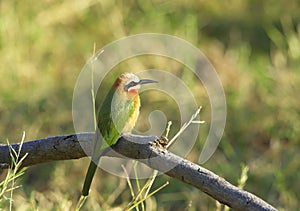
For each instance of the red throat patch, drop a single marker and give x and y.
(133, 91)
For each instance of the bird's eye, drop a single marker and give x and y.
(129, 85)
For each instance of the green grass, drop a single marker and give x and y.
(8, 184)
(44, 45)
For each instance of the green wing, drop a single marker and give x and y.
(112, 120)
(113, 117)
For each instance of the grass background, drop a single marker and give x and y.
(254, 46)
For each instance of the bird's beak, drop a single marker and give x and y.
(147, 81)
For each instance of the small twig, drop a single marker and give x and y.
(185, 125)
(168, 128)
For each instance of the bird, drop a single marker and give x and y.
(117, 115)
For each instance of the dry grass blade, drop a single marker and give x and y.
(148, 196)
(14, 172)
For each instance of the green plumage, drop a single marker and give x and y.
(118, 112)
(112, 118)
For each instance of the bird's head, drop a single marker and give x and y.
(129, 84)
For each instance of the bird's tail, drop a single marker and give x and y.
(88, 180)
(93, 165)
(89, 176)
(87, 185)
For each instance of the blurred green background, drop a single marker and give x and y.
(254, 46)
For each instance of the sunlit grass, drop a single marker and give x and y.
(8, 185)
(43, 48)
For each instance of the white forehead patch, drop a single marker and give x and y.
(131, 77)
(131, 81)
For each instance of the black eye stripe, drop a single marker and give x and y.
(131, 84)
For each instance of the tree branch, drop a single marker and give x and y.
(138, 147)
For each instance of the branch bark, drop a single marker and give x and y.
(138, 147)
